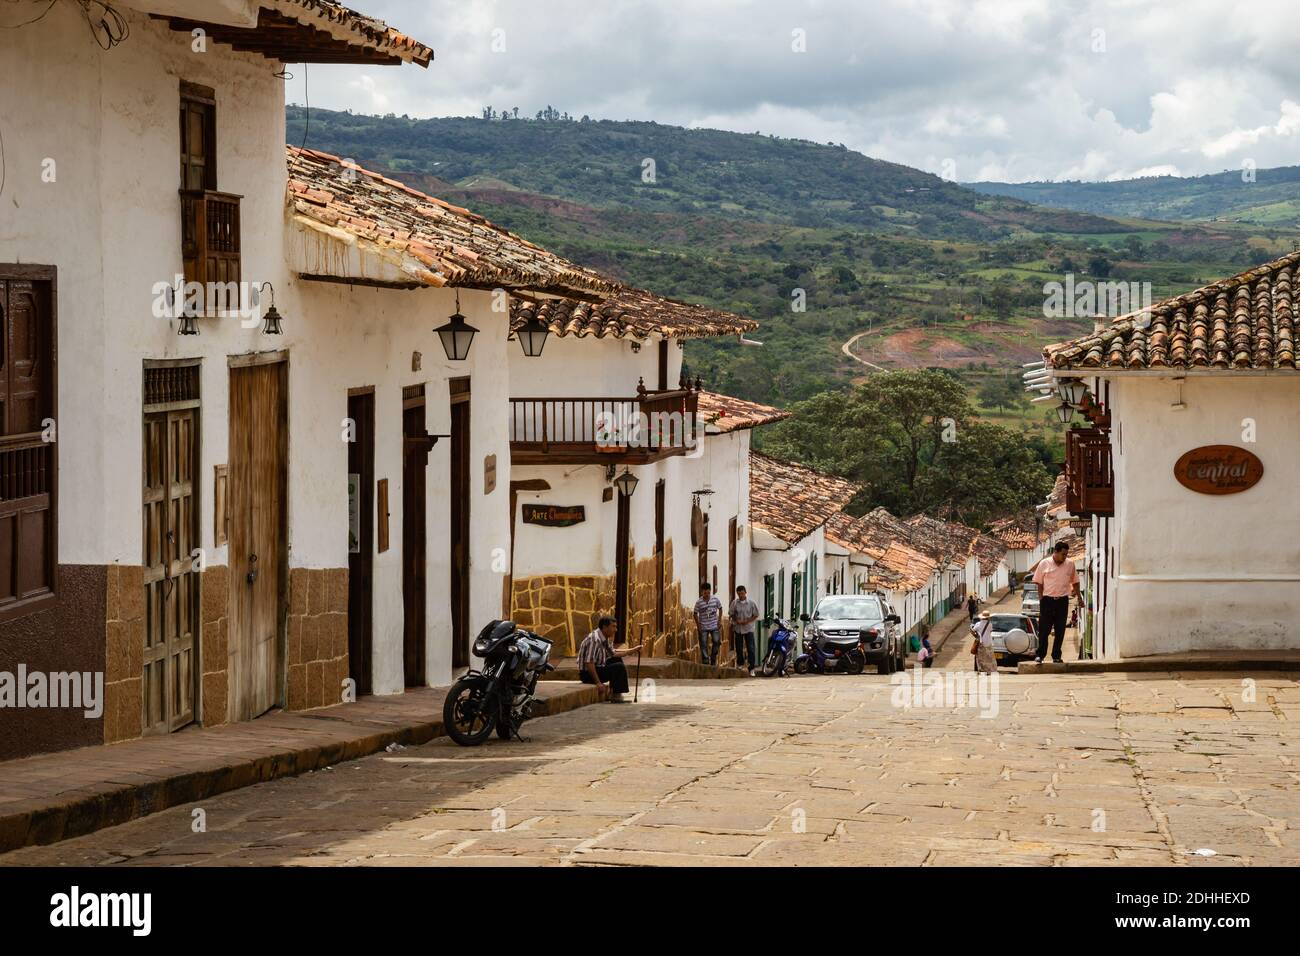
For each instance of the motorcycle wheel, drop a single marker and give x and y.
(772, 664)
(854, 661)
(801, 665)
(465, 718)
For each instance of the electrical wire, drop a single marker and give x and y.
(306, 109)
(112, 27)
(39, 16)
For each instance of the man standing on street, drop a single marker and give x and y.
(1057, 581)
(600, 664)
(708, 621)
(744, 615)
(972, 606)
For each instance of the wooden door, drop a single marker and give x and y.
(659, 555)
(171, 534)
(731, 561)
(460, 498)
(704, 551)
(361, 538)
(621, 535)
(415, 462)
(258, 536)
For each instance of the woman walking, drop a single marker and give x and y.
(985, 661)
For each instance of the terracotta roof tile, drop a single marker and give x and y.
(354, 27)
(1248, 321)
(628, 311)
(910, 569)
(722, 413)
(792, 501)
(432, 242)
(942, 540)
(990, 552)
(1018, 531)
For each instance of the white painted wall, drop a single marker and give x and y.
(1205, 571)
(111, 224)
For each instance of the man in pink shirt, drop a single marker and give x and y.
(1057, 581)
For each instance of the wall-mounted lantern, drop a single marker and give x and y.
(1065, 412)
(626, 483)
(271, 318)
(456, 335)
(1072, 390)
(532, 336)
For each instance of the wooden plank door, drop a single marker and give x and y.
(415, 460)
(621, 535)
(659, 556)
(171, 533)
(361, 550)
(731, 562)
(258, 536)
(460, 498)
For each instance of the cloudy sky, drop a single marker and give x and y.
(1009, 90)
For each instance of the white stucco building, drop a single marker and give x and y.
(1183, 469)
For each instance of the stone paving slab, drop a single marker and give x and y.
(51, 797)
(816, 770)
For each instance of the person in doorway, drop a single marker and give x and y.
(708, 622)
(1057, 582)
(986, 662)
(744, 615)
(972, 607)
(600, 664)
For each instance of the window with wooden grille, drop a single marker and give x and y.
(28, 461)
(210, 226)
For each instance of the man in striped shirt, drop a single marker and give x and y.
(600, 664)
(708, 622)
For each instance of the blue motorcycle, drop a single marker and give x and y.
(825, 654)
(779, 648)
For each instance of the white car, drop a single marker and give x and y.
(1029, 599)
(1018, 630)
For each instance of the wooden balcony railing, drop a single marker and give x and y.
(27, 527)
(646, 427)
(210, 246)
(1089, 477)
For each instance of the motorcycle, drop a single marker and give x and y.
(825, 655)
(502, 694)
(779, 646)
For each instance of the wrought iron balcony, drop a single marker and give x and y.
(1089, 477)
(647, 427)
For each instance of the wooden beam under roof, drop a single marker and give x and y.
(278, 37)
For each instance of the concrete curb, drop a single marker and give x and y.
(117, 790)
(1164, 665)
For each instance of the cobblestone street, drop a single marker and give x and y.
(1102, 769)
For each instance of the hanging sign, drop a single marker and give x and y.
(1218, 470)
(354, 513)
(555, 516)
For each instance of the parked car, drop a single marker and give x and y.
(1003, 625)
(865, 617)
(1029, 599)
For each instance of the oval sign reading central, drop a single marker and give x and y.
(1218, 470)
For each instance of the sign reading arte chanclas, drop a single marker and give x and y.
(554, 516)
(1218, 470)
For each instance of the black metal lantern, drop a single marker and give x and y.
(271, 318)
(1065, 412)
(532, 336)
(626, 483)
(456, 335)
(1072, 391)
(189, 324)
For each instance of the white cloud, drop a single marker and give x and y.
(1012, 87)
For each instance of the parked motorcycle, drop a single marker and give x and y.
(779, 647)
(502, 694)
(826, 654)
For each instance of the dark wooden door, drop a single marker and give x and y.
(659, 556)
(704, 550)
(731, 561)
(415, 466)
(258, 536)
(361, 538)
(621, 534)
(171, 534)
(460, 498)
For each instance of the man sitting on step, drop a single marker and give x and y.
(600, 664)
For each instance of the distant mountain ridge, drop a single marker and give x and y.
(1265, 197)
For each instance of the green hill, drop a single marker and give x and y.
(1271, 198)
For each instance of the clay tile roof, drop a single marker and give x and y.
(910, 569)
(722, 413)
(431, 241)
(990, 552)
(1056, 500)
(1017, 532)
(1246, 322)
(628, 311)
(942, 540)
(792, 501)
(355, 28)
